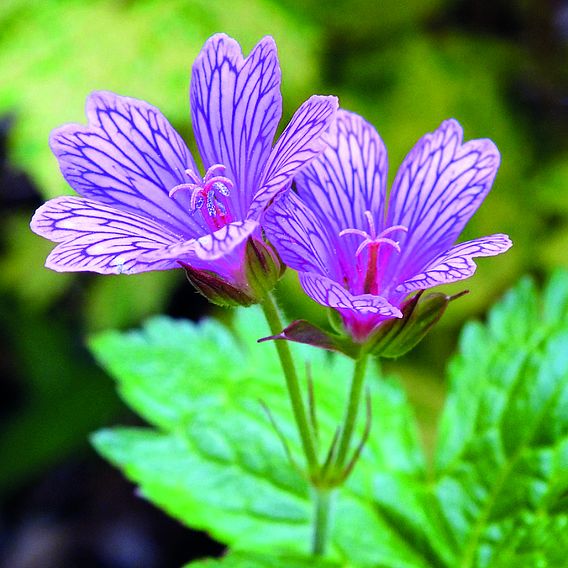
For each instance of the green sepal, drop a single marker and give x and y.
(216, 289)
(335, 321)
(420, 313)
(391, 339)
(262, 267)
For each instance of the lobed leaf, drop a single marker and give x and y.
(214, 460)
(497, 496)
(501, 462)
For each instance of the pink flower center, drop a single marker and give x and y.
(209, 196)
(373, 241)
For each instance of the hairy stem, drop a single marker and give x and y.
(322, 519)
(298, 407)
(352, 411)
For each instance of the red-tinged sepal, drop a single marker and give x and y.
(395, 337)
(302, 331)
(260, 271)
(218, 290)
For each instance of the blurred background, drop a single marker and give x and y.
(499, 67)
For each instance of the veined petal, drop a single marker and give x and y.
(348, 177)
(300, 142)
(299, 237)
(128, 157)
(222, 242)
(98, 238)
(329, 293)
(456, 263)
(439, 186)
(235, 107)
(211, 247)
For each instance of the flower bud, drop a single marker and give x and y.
(216, 289)
(262, 268)
(395, 337)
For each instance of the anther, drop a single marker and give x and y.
(212, 191)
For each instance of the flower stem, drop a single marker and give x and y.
(352, 410)
(322, 517)
(298, 407)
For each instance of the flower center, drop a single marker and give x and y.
(209, 196)
(373, 241)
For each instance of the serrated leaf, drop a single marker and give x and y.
(499, 492)
(502, 458)
(216, 463)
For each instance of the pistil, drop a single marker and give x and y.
(370, 286)
(373, 241)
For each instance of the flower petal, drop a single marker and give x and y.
(456, 263)
(235, 107)
(300, 142)
(220, 252)
(439, 186)
(348, 177)
(299, 237)
(129, 157)
(330, 293)
(221, 242)
(98, 238)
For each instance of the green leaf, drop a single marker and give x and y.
(502, 459)
(214, 460)
(250, 560)
(497, 496)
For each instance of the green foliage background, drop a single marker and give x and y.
(494, 497)
(498, 67)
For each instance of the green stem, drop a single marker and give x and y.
(352, 410)
(298, 407)
(322, 518)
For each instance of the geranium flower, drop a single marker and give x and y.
(143, 203)
(363, 259)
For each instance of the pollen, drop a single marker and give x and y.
(209, 195)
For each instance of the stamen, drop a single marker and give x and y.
(211, 171)
(194, 176)
(357, 232)
(199, 201)
(211, 204)
(188, 186)
(212, 191)
(221, 188)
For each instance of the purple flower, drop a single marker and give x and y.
(144, 205)
(363, 259)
